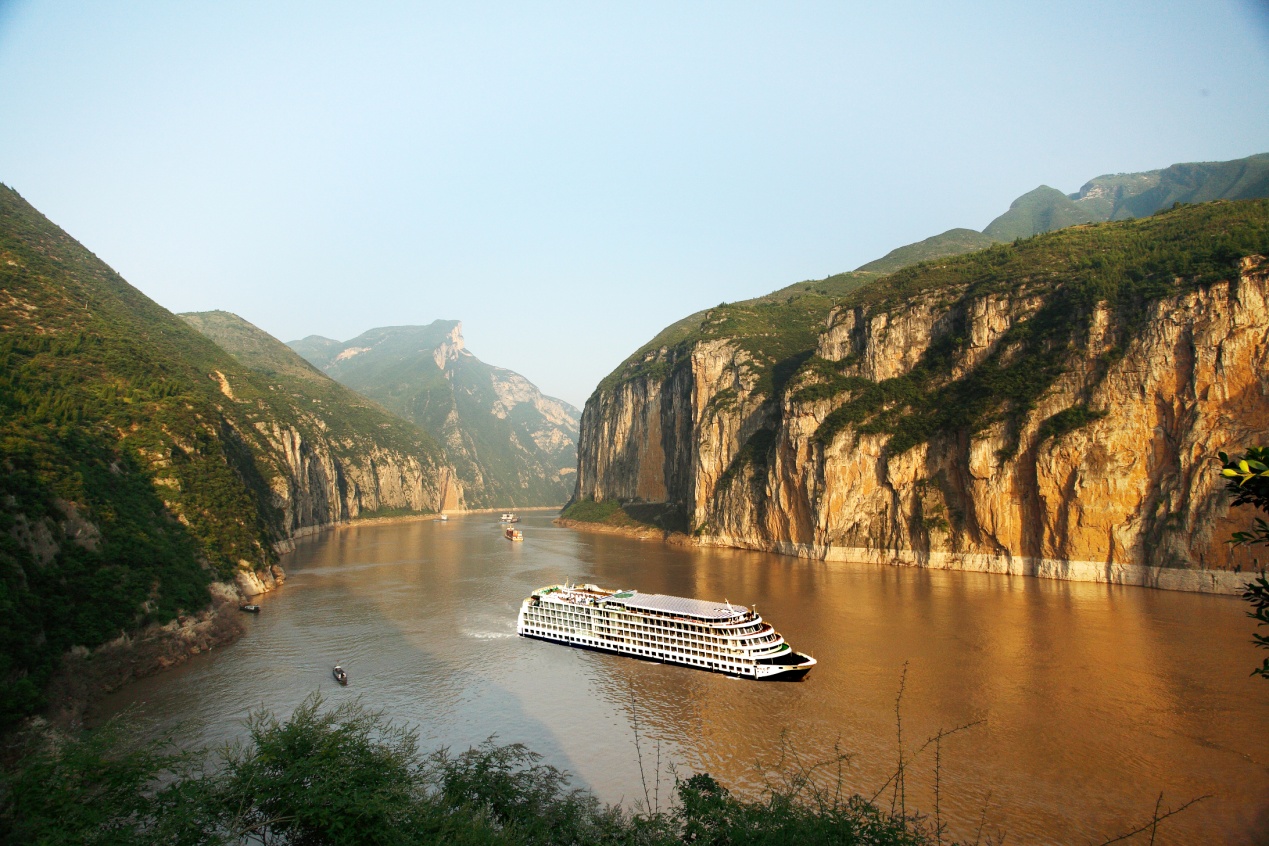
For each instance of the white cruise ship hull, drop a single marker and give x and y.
(717, 637)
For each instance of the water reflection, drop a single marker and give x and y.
(1093, 698)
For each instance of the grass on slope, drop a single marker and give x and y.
(953, 242)
(628, 515)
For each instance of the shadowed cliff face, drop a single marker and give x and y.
(1099, 466)
(336, 456)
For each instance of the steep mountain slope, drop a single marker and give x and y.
(510, 445)
(1127, 195)
(953, 242)
(1041, 210)
(1119, 196)
(1050, 407)
(346, 418)
(139, 461)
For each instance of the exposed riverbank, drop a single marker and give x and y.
(1225, 582)
(86, 676)
(639, 532)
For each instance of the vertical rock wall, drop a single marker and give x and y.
(1132, 495)
(319, 484)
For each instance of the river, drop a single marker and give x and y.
(1087, 700)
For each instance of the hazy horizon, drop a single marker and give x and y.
(567, 180)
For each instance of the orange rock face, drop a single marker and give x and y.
(1132, 495)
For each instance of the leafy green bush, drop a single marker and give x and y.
(349, 776)
(1125, 267)
(1247, 481)
(590, 511)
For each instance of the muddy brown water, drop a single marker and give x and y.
(1088, 700)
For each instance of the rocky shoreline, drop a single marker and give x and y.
(88, 675)
(637, 532)
(1225, 582)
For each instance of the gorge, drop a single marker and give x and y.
(142, 463)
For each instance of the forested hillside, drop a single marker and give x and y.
(139, 461)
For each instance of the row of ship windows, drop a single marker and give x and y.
(689, 655)
(578, 617)
(548, 628)
(599, 625)
(670, 623)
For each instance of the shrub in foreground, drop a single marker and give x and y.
(348, 776)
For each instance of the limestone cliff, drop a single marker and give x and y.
(1026, 410)
(335, 455)
(325, 482)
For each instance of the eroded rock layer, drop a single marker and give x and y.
(1003, 420)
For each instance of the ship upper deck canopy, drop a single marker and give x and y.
(698, 608)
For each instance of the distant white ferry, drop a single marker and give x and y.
(715, 636)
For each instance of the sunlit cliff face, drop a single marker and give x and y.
(1131, 494)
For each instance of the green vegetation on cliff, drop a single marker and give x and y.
(347, 416)
(135, 461)
(773, 330)
(1123, 267)
(778, 328)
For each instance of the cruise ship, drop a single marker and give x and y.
(716, 636)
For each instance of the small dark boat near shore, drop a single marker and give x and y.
(340, 674)
(253, 609)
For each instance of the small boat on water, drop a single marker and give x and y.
(510, 517)
(513, 534)
(340, 674)
(444, 518)
(253, 608)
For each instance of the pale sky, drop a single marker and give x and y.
(569, 178)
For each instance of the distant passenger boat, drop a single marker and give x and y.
(340, 674)
(254, 609)
(444, 518)
(510, 518)
(715, 636)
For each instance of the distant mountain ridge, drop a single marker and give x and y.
(1118, 196)
(510, 444)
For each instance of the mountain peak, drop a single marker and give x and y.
(449, 349)
(510, 445)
